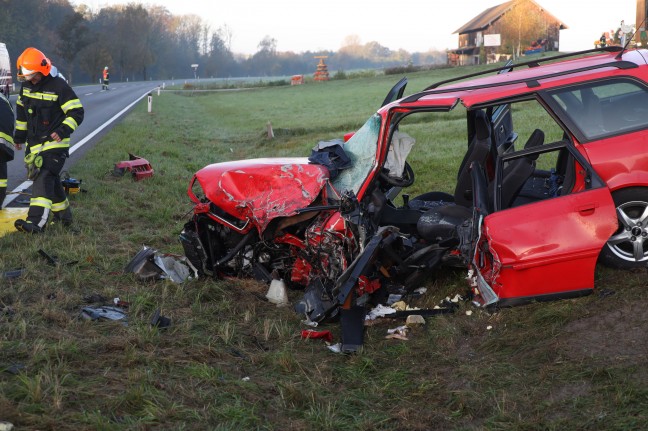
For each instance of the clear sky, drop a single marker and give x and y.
(413, 25)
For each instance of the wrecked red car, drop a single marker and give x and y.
(553, 179)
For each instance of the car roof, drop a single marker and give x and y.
(512, 80)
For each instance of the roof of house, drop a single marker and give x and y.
(492, 14)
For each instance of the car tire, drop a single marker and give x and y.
(627, 248)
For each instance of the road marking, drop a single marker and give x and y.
(26, 184)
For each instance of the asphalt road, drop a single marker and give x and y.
(103, 109)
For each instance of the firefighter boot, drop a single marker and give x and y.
(27, 227)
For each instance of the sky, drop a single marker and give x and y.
(413, 25)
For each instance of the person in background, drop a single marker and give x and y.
(7, 120)
(47, 113)
(106, 79)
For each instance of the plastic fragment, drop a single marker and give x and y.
(379, 311)
(415, 319)
(335, 348)
(277, 293)
(325, 335)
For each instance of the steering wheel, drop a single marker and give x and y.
(406, 180)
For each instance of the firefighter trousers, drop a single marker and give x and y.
(48, 194)
(3, 179)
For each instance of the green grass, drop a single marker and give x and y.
(576, 364)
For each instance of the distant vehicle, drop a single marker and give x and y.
(5, 70)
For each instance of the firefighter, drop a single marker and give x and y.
(6, 142)
(106, 79)
(47, 112)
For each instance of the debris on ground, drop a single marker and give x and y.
(398, 333)
(414, 320)
(12, 273)
(104, 312)
(309, 333)
(139, 167)
(277, 293)
(149, 264)
(53, 260)
(160, 321)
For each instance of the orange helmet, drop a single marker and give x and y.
(30, 62)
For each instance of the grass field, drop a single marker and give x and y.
(231, 361)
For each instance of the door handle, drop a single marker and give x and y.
(587, 209)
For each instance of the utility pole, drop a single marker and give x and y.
(642, 12)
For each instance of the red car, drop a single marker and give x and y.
(553, 180)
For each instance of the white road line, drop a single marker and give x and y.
(14, 193)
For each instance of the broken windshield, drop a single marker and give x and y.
(361, 149)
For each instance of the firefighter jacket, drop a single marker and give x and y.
(47, 107)
(6, 121)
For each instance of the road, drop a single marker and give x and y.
(102, 111)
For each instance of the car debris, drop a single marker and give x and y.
(310, 333)
(104, 312)
(138, 167)
(538, 198)
(12, 273)
(277, 293)
(160, 321)
(150, 264)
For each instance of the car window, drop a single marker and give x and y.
(604, 108)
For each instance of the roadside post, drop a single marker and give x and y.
(150, 102)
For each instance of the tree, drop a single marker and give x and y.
(72, 38)
(523, 24)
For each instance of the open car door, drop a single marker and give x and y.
(545, 248)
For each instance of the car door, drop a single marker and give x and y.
(547, 247)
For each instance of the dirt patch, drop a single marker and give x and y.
(618, 335)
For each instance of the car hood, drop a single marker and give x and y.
(262, 189)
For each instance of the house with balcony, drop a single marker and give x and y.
(514, 28)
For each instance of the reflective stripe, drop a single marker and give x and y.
(40, 96)
(3, 183)
(6, 137)
(40, 202)
(21, 125)
(19, 102)
(71, 104)
(60, 206)
(70, 122)
(65, 143)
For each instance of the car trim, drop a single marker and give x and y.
(530, 82)
(532, 63)
(522, 300)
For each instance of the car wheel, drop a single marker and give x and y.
(628, 247)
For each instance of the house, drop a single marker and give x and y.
(509, 29)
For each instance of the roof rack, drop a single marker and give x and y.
(530, 82)
(531, 63)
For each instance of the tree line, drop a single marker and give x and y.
(141, 42)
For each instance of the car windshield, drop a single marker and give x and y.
(361, 149)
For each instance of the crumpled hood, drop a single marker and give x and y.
(262, 189)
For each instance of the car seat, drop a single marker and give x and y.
(479, 151)
(519, 170)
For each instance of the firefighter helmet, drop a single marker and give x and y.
(30, 62)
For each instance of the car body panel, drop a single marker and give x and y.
(549, 246)
(621, 161)
(262, 189)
